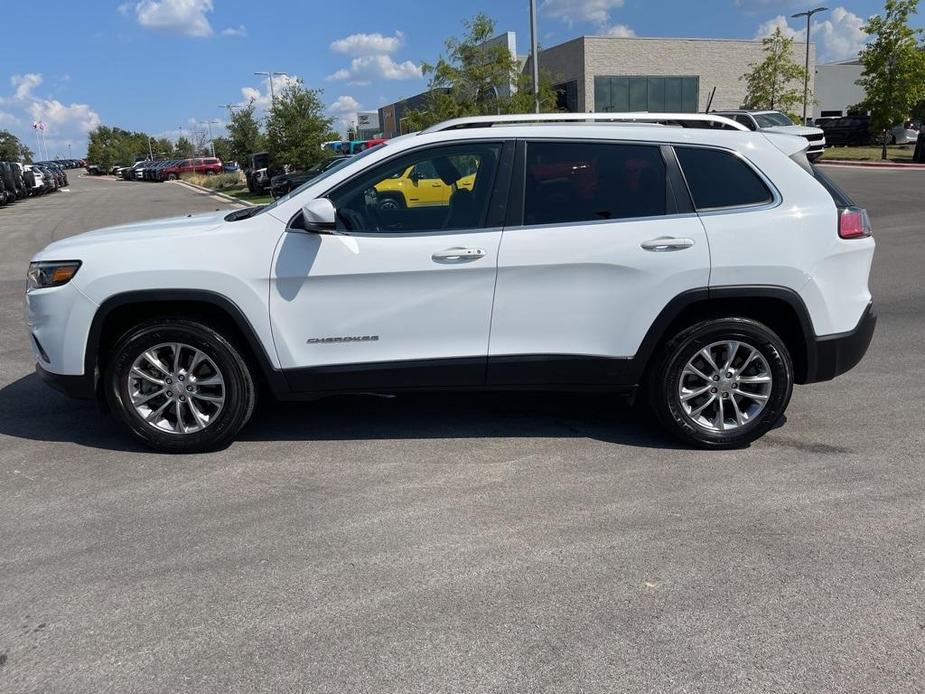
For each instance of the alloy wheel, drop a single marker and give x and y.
(176, 388)
(725, 385)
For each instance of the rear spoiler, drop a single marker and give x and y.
(788, 144)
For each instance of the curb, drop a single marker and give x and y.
(871, 164)
(214, 193)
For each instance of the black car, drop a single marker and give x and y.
(14, 191)
(286, 183)
(5, 197)
(849, 130)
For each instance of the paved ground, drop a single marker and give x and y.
(455, 544)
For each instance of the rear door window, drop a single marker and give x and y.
(719, 179)
(570, 182)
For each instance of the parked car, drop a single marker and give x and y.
(726, 269)
(849, 130)
(904, 133)
(132, 172)
(6, 196)
(285, 183)
(775, 121)
(38, 180)
(208, 166)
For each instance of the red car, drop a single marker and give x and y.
(204, 165)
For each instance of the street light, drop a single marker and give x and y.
(269, 75)
(809, 17)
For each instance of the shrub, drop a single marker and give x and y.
(223, 181)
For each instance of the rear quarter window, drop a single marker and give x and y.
(718, 179)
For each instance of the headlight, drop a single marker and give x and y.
(51, 273)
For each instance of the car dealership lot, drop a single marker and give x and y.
(480, 542)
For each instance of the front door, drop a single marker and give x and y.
(400, 294)
(602, 247)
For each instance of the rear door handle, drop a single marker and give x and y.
(667, 243)
(459, 254)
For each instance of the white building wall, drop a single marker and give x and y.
(837, 88)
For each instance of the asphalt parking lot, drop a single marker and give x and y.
(467, 543)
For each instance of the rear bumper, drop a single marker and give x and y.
(833, 355)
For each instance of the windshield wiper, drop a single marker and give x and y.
(244, 213)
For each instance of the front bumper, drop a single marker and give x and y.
(833, 355)
(81, 387)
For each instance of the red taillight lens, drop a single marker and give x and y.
(853, 223)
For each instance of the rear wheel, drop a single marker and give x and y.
(390, 202)
(171, 177)
(721, 383)
(179, 386)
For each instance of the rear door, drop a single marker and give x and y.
(602, 241)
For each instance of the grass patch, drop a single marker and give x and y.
(897, 153)
(245, 194)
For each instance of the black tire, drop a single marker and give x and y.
(664, 382)
(391, 201)
(171, 177)
(239, 390)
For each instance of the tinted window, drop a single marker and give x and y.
(451, 191)
(579, 182)
(720, 179)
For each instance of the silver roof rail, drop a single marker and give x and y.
(614, 118)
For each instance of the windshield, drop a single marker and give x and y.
(317, 179)
(770, 120)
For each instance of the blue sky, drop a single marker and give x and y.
(162, 65)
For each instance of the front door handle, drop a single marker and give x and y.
(667, 243)
(459, 254)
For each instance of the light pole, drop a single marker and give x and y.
(535, 58)
(809, 18)
(269, 75)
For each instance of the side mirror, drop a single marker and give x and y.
(319, 215)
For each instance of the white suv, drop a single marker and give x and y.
(706, 269)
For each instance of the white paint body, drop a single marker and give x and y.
(583, 289)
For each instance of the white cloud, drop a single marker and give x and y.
(261, 96)
(24, 84)
(368, 44)
(61, 118)
(841, 35)
(766, 29)
(366, 69)
(621, 31)
(837, 38)
(239, 31)
(344, 104)
(571, 11)
(184, 17)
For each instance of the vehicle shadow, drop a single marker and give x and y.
(30, 410)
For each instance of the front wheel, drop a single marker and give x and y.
(172, 177)
(721, 383)
(179, 386)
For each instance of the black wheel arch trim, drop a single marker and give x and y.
(274, 377)
(683, 301)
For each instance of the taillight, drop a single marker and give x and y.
(853, 223)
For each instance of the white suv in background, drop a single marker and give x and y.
(777, 122)
(706, 269)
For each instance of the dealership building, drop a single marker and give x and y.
(615, 74)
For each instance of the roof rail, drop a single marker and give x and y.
(686, 120)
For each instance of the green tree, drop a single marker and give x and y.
(13, 149)
(184, 148)
(222, 146)
(244, 133)
(894, 65)
(477, 79)
(107, 146)
(297, 126)
(777, 81)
